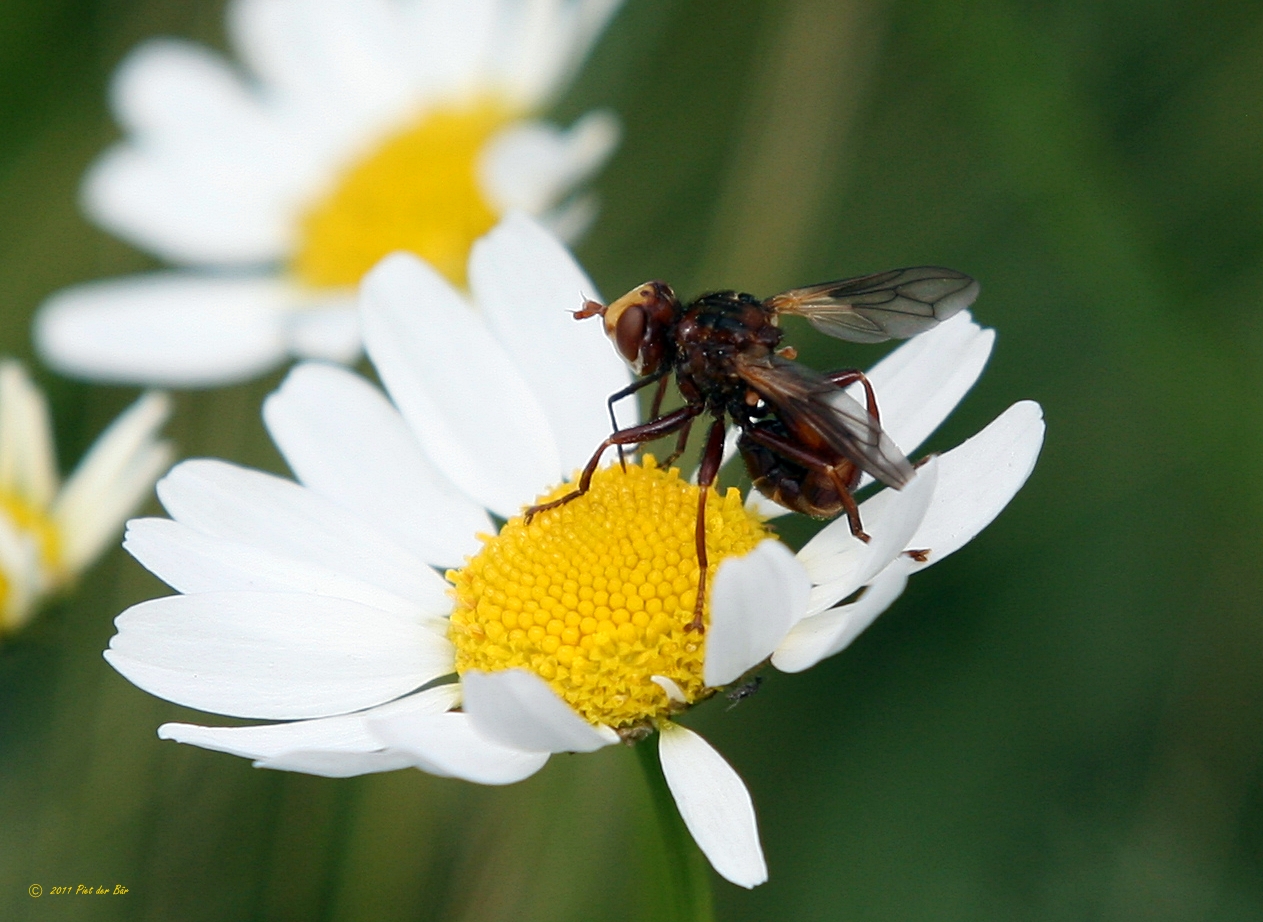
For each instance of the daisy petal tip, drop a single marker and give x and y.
(979, 478)
(155, 406)
(603, 127)
(668, 686)
(1030, 412)
(927, 471)
(177, 732)
(391, 269)
(715, 805)
(400, 281)
(516, 221)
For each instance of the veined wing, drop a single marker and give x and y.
(886, 305)
(807, 401)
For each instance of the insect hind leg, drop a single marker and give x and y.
(849, 377)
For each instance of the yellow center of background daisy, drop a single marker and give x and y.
(31, 523)
(419, 191)
(594, 596)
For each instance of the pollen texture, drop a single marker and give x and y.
(418, 191)
(594, 596)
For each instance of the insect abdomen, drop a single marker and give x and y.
(793, 486)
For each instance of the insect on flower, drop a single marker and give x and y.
(804, 440)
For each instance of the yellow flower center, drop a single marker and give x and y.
(419, 191)
(32, 522)
(594, 596)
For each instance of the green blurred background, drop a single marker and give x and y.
(1064, 722)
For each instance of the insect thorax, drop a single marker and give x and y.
(714, 329)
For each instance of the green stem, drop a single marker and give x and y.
(687, 871)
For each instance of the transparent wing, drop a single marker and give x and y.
(816, 410)
(886, 305)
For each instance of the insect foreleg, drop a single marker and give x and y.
(659, 375)
(645, 432)
(656, 407)
(712, 458)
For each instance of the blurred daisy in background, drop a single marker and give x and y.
(50, 533)
(319, 603)
(351, 129)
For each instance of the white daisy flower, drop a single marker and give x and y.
(314, 604)
(51, 532)
(350, 129)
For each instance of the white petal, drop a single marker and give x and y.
(344, 440)
(113, 478)
(573, 218)
(452, 43)
(818, 636)
(528, 285)
(544, 42)
(714, 804)
(448, 745)
(167, 329)
(172, 87)
(161, 202)
(337, 747)
(533, 165)
(336, 764)
(516, 708)
(27, 464)
(754, 602)
(978, 478)
(327, 331)
(182, 99)
(277, 515)
(920, 383)
(839, 563)
(273, 655)
(759, 504)
(467, 404)
(208, 176)
(190, 561)
(668, 685)
(342, 69)
(188, 106)
(345, 732)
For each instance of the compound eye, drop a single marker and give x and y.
(629, 333)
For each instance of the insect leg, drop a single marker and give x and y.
(845, 378)
(813, 462)
(645, 432)
(630, 389)
(712, 458)
(852, 510)
(656, 407)
(679, 446)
